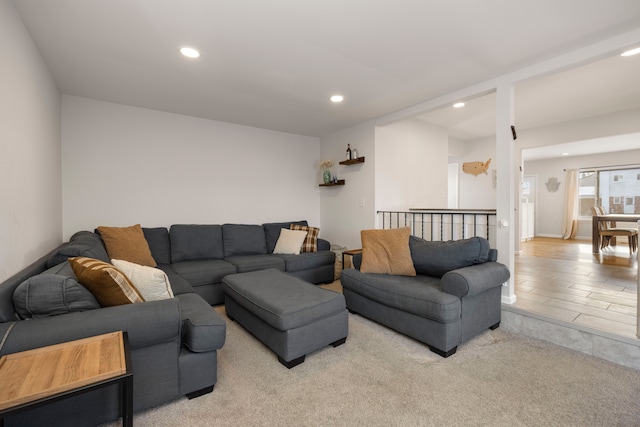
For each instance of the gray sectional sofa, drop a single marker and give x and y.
(173, 342)
(202, 255)
(455, 294)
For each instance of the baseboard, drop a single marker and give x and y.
(508, 299)
(559, 236)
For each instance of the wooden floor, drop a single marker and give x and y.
(563, 279)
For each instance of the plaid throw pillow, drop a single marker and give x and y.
(310, 243)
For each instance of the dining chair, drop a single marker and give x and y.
(606, 231)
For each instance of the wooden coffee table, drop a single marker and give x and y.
(43, 375)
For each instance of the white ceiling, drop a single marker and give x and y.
(273, 64)
(602, 87)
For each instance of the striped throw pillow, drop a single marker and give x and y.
(109, 285)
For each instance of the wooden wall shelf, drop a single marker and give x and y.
(331, 184)
(353, 161)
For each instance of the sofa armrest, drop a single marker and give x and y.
(323, 245)
(203, 330)
(356, 261)
(146, 323)
(475, 279)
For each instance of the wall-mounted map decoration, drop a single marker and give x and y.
(476, 168)
(552, 184)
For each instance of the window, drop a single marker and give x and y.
(586, 192)
(617, 191)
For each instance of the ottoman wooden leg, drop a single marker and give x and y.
(339, 342)
(290, 364)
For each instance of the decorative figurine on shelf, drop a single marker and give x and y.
(326, 171)
(349, 152)
(335, 178)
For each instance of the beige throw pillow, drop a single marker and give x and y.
(108, 284)
(127, 243)
(151, 282)
(289, 242)
(387, 252)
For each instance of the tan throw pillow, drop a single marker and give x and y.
(289, 241)
(151, 282)
(127, 243)
(387, 252)
(310, 243)
(108, 284)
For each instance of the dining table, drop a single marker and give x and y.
(613, 218)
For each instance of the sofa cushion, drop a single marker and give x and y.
(159, 244)
(152, 283)
(243, 239)
(47, 295)
(179, 285)
(127, 243)
(387, 252)
(203, 272)
(310, 243)
(307, 260)
(272, 232)
(437, 258)
(193, 242)
(108, 284)
(245, 263)
(82, 243)
(62, 269)
(290, 241)
(419, 295)
(202, 329)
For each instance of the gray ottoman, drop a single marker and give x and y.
(291, 316)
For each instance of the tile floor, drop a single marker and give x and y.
(564, 280)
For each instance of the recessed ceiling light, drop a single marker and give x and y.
(631, 52)
(189, 52)
(565, 154)
(458, 105)
(337, 98)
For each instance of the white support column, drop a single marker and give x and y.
(506, 168)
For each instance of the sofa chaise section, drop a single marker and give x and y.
(173, 344)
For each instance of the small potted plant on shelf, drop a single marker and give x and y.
(326, 171)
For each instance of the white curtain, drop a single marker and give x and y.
(571, 206)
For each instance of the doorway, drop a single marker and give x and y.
(528, 208)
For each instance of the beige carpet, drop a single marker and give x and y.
(381, 378)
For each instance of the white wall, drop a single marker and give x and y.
(342, 216)
(477, 191)
(411, 166)
(549, 207)
(30, 173)
(124, 165)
